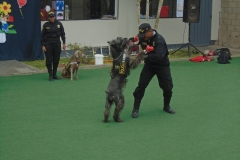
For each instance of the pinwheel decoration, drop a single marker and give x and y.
(21, 3)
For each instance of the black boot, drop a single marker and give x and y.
(50, 78)
(167, 94)
(56, 77)
(49, 68)
(136, 108)
(168, 109)
(55, 66)
(135, 113)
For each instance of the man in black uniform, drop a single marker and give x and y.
(51, 44)
(155, 63)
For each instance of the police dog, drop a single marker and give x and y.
(72, 66)
(120, 49)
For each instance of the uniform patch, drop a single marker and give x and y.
(141, 30)
(47, 27)
(144, 43)
(58, 26)
(153, 43)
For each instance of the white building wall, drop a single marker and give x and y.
(98, 32)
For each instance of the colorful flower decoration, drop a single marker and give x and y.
(5, 8)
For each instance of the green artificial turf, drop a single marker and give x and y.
(62, 120)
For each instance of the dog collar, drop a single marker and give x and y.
(119, 56)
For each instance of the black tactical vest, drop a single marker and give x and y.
(121, 66)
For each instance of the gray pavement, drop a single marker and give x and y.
(14, 67)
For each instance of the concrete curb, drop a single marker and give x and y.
(14, 67)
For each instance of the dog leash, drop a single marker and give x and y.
(67, 54)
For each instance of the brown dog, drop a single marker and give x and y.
(72, 65)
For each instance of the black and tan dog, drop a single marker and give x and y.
(72, 66)
(120, 49)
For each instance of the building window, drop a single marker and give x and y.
(168, 9)
(104, 50)
(80, 9)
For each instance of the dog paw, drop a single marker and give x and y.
(118, 120)
(105, 120)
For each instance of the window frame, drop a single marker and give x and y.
(153, 7)
(109, 13)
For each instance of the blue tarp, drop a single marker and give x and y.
(25, 44)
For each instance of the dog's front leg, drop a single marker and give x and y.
(119, 102)
(71, 70)
(135, 62)
(77, 72)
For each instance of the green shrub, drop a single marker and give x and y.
(87, 59)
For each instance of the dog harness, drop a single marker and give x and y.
(74, 63)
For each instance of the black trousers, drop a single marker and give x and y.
(163, 74)
(52, 56)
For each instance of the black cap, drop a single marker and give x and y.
(51, 14)
(143, 28)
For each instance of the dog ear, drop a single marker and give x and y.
(77, 54)
(80, 54)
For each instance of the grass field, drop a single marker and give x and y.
(62, 120)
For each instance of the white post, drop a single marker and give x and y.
(138, 10)
(158, 14)
(147, 10)
(116, 9)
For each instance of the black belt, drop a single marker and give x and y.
(53, 39)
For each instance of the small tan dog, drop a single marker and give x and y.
(72, 65)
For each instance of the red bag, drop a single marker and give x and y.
(200, 59)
